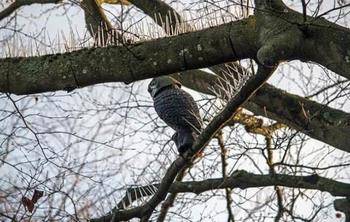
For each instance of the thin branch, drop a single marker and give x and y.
(19, 3)
(272, 171)
(223, 155)
(169, 201)
(27, 126)
(326, 124)
(333, 9)
(243, 180)
(304, 5)
(203, 139)
(269, 95)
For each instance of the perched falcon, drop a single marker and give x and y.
(177, 109)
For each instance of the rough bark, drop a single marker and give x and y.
(269, 36)
(323, 123)
(321, 41)
(254, 83)
(331, 126)
(134, 62)
(243, 180)
(139, 61)
(273, 35)
(318, 121)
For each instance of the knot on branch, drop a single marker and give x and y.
(280, 48)
(239, 177)
(313, 179)
(279, 39)
(238, 173)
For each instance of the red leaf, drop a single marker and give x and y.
(28, 204)
(37, 195)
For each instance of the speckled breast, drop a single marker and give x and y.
(178, 109)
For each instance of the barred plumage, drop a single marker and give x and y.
(177, 109)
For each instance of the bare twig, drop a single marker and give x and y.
(19, 3)
(223, 155)
(203, 139)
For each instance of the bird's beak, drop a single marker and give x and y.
(153, 92)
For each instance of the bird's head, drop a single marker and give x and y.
(160, 83)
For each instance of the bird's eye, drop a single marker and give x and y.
(153, 84)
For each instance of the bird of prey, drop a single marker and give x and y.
(177, 109)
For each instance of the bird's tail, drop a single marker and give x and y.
(184, 140)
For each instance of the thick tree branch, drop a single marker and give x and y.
(127, 64)
(291, 36)
(325, 124)
(271, 37)
(203, 139)
(243, 180)
(70, 70)
(331, 50)
(321, 122)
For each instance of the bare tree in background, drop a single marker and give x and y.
(80, 139)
